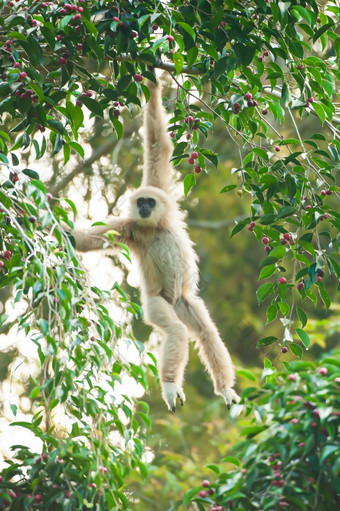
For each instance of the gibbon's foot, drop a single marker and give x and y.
(171, 391)
(230, 397)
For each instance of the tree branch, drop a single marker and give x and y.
(195, 70)
(83, 166)
(215, 225)
(166, 66)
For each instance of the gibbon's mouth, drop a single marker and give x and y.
(145, 212)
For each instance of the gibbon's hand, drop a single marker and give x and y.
(171, 391)
(230, 397)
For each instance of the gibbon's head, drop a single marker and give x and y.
(149, 206)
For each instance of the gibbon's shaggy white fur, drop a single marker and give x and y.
(157, 236)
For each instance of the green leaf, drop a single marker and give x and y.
(220, 66)
(143, 19)
(278, 252)
(188, 29)
(296, 349)
(14, 409)
(189, 495)
(49, 36)
(267, 271)
(264, 291)
(189, 182)
(77, 117)
(16, 35)
(55, 125)
(31, 173)
(246, 374)
(67, 153)
(285, 95)
(178, 61)
(78, 148)
(146, 419)
(271, 313)
(267, 219)
(118, 127)
(214, 468)
(303, 336)
(6, 201)
(65, 21)
(192, 55)
(228, 188)
(211, 156)
(321, 30)
(238, 227)
(302, 316)
(320, 112)
(289, 141)
(179, 149)
(298, 11)
(33, 50)
(93, 106)
(90, 27)
(284, 308)
(232, 459)
(146, 91)
(35, 392)
(328, 450)
(266, 341)
(260, 152)
(286, 211)
(73, 207)
(324, 295)
(252, 430)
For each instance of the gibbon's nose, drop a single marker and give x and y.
(145, 211)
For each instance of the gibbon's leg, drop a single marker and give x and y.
(157, 143)
(214, 354)
(174, 349)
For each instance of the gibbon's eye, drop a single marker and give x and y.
(140, 202)
(151, 202)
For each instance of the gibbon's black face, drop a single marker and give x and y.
(145, 206)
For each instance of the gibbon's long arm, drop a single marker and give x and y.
(93, 237)
(157, 143)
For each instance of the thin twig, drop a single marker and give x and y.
(215, 225)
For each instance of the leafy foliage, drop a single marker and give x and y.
(236, 48)
(82, 371)
(260, 69)
(289, 457)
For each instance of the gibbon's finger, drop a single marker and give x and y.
(227, 400)
(230, 397)
(181, 400)
(181, 396)
(171, 391)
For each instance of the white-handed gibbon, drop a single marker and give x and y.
(156, 234)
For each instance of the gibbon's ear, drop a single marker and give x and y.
(158, 147)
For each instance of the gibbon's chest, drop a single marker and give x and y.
(166, 250)
(163, 251)
(162, 263)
